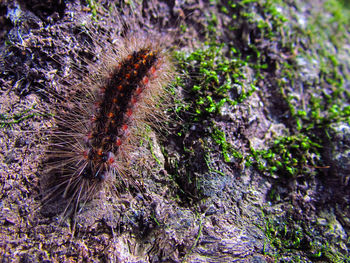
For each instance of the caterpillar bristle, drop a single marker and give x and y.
(102, 113)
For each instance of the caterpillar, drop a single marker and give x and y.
(98, 129)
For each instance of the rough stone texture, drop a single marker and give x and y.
(340, 151)
(225, 224)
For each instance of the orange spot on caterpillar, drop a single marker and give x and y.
(120, 87)
(138, 91)
(99, 152)
(115, 100)
(136, 66)
(124, 127)
(153, 70)
(110, 160)
(110, 115)
(145, 80)
(133, 100)
(86, 154)
(127, 76)
(129, 112)
(118, 142)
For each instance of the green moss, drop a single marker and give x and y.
(227, 149)
(216, 70)
(326, 100)
(297, 240)
(289, 156)
(7, 121)
(215, 77)
(92, 4)
(322, 102)
(270, 21)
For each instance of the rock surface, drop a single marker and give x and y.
(213, 193)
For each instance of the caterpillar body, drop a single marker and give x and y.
(95, 136)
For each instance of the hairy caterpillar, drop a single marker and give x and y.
(98, 129)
